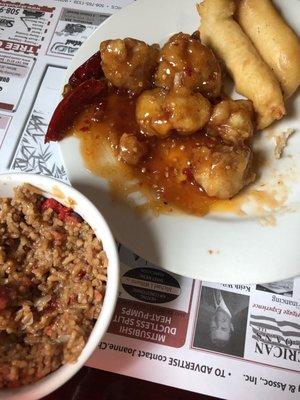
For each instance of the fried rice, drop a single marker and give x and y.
(53, 274)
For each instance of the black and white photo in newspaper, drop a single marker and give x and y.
(223, 340)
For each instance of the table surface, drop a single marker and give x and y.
(92, 384)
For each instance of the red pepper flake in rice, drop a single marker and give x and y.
(4, 297)
(64, 213)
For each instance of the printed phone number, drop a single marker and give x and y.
(8, 10)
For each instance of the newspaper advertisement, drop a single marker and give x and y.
(228, 341)
(72, 28)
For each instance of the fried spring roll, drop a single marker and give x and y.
(253, 78)
(275, 41)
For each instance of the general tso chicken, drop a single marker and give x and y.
(166, 119)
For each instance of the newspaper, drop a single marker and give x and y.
(228, 341)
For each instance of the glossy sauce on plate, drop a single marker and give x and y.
(163, 177)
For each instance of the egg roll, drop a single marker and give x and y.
(275, 41)
(253, 78)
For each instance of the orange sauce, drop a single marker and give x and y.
(163, 177)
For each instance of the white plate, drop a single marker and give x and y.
(224, 247)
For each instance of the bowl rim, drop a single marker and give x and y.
(57, 378)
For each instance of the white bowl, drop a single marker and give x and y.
(62, 193)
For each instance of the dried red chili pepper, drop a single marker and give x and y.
(66, 111)
(89, 69)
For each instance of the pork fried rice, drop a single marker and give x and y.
(53, 272)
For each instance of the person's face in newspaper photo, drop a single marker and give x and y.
(221, 321)
(220, 328)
